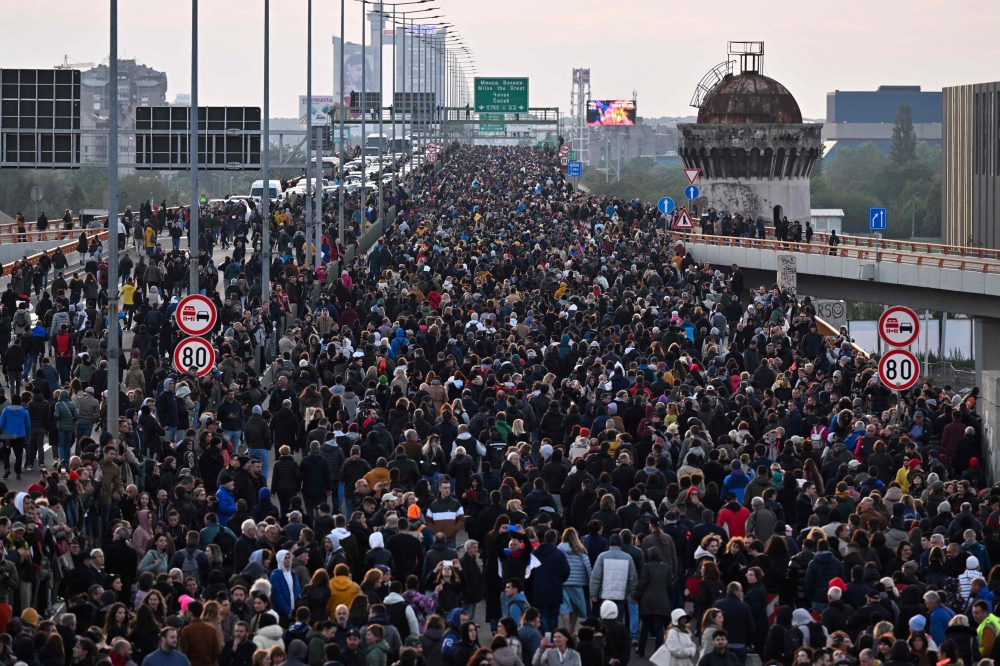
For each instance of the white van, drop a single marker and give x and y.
(257, 189)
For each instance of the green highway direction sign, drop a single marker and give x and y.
(572, 155)
(500, 94)
(492, 124)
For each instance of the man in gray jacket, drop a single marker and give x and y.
(761, 521)
(614, 577)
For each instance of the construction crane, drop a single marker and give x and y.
(74, 65)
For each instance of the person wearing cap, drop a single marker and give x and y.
(257, 437)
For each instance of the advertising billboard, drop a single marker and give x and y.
(321, 108)
(610, 112)
(358, 66)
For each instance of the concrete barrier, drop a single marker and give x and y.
(989, 408)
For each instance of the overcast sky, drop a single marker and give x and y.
(659, 49)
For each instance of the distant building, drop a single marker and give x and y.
(137, 85)
(857, 117)
(970, 165)
(754, 151)
(639, 140)
(825, 220)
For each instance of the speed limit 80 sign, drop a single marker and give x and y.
(194, 354)
(898, 369)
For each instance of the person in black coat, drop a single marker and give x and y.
(284, 426)
(475, 584)
(286, 480)
(617, 639)
(737, 620)
(315, 473)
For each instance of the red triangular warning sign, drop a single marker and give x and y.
(683, 222)
(692, 175)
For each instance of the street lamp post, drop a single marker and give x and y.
(265, 243)
(309, 137)
(193, 145)
(114, 375)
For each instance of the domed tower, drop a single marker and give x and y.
(754, 151)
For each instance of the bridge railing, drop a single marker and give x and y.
(822, 238)
(860, 252)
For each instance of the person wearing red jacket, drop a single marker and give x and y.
(733, 517)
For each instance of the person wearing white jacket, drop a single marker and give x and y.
(679, 648)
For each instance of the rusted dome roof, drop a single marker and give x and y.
(749, 98)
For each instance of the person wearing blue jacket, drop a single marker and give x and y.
(456, 617)
(285, 586)
(227, 503)
(16, 424)
(549, 579)
(736, 482)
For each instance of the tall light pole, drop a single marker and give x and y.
(193, 145)
(265, 243)
(114, 376)
(381, 90)
(309, 137)
(343, 154)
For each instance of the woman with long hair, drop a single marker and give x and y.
(447, 584)
(576, 587)
(117, 622)
(467, 643)
(155, 602)
(145, 633)
(212, 614)
(711, 622)
(316, 595)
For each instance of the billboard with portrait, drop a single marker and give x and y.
(610, 112)
(359, 66)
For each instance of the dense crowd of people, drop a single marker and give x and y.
(527, 427)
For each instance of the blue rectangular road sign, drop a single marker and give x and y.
(876, 219)
(574, 169)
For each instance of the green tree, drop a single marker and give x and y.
(904, 139)
(75, 198)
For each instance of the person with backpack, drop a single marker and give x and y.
(782, 638)
(811, 633)
(192, 561)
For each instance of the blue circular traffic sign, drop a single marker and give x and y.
(691, 191)
(665, 205)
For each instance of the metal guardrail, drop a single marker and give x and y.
(822, 238)
(861, 252)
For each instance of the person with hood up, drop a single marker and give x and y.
(264, 507)
(285, 586)
(143, 533)
(452, 636)
(812, 633)
(679, 648)
(377, 552)
(337, 554)
(342, 589)
(16, 424)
